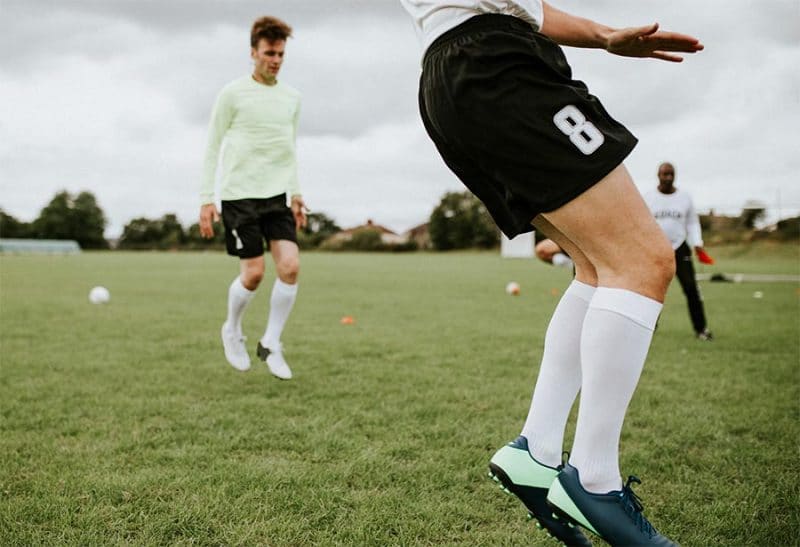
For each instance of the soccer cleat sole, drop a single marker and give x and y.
(506, 485)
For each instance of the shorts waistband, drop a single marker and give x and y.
(280, 198)
(484, 21)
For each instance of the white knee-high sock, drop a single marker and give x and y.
(559, 376)
(280, 305)
(616, 336)
(238, 299)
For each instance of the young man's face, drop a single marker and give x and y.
(268, 58)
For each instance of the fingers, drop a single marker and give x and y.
(672, 41)
(648, 29)
(206, 228)
(300, 220)
(208, 216)
(633, 33)
(648, 41)
(664, 56)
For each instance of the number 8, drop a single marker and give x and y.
(583, 133)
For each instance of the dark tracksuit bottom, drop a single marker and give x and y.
(684, 271)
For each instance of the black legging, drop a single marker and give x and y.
(685, 274)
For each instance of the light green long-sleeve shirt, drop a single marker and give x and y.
(258, 125)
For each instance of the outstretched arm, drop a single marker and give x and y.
(647, 41)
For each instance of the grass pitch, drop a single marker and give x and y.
(122, 424)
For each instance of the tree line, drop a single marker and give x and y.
(460, 221)
(76, 217)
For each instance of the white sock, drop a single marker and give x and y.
(280, 305)
(559, 376)
(616, 336)
(238, 299)
(560, 259)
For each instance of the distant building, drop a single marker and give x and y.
(421, 235)
(388, 237)
(39, 246)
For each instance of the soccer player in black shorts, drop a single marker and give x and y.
(255, 116)
(498, 100)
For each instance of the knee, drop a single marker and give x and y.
(645, 269)
(288, 269)
(662, 266)
(251, 277)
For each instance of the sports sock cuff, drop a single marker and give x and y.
(285, 288)
(241, 289)
(636, 307)
(581, 290)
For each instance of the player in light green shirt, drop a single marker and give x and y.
(254, 126)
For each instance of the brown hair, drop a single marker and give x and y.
(270, 29)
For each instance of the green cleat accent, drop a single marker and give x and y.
(521, 475)
(615, 517)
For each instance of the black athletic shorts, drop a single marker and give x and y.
(248, 222)
(499, 102)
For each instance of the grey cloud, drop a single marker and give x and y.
(114, 97)
(172, 15)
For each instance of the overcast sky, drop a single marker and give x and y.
(114, 96)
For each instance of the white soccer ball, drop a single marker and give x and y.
(512, 288)
(99, 295)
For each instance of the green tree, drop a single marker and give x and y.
(195, 241)
(144, 233)
(172, 235)
(461, 221)
(12, 228)
(89, 222)
(139, 233)
(67, 217)
(318, 228)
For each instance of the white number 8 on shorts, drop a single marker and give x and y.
(583, 133)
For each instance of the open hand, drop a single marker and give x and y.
(649, 42)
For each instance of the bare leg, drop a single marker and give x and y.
(617, 238)
(286, 256)
(240, 294)
(251, 272)
(613, 228)
(284, 291)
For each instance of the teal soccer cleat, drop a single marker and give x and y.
(520, 474)
(615, 517)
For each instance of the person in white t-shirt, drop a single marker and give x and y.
(674, 211)
(498, 100)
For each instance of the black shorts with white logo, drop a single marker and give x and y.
(248, 222)
(499, 102)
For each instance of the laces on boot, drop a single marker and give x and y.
(633, 507)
